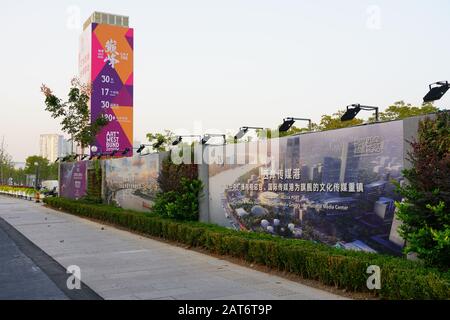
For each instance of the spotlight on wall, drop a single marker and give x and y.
(354, 109)
(437, 91)
(124, 153)
(177, 141)
(207, 137)
(84, 157)
(57, 160)
(243, 131)
(158, 144)
(141, 148)
(289, 122)
(91, 157)
(113, 154)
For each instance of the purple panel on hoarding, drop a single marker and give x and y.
(73, 180)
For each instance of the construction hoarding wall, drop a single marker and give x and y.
(106, 62)
(334, 187)
(132, 183)
(73, 180)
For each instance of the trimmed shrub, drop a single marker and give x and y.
(400, 278)
(180, 205)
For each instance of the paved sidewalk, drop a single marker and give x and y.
(120, 265)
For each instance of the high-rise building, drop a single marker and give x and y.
(316, 173)
(292, 160)
(106, 63)
(331, 170)
(53, 146)
(350, 163)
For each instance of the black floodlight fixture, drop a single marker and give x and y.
(243, 131)
(57, 160)
(84, 157)
(437, 91)
(354, 109)
(114, 153)
(158, 144)
(141, 148)
(75, 156)
(99, 156)
(179, 139)
(208, 137)
(124, 153)
(289, 122)
(91, 157)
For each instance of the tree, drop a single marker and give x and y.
(425, 211)
(180, 191)
(5, 162)
(75, 113)
(7, 169)
(400, 110)
(47, 170)
(18, 176)
(161, 141)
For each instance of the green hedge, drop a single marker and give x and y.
(400, 278)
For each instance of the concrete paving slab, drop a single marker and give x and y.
(121, 265)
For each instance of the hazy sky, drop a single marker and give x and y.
(222, 64)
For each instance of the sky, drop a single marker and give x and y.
(211, 66)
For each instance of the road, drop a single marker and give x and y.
(116, 264)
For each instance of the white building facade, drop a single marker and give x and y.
(53, 146)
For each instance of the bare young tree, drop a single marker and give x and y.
(75, 113)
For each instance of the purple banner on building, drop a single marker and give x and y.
(73, 180)
(106, 62)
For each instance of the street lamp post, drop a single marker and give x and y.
(36, 182)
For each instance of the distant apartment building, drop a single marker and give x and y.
(53, 146)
